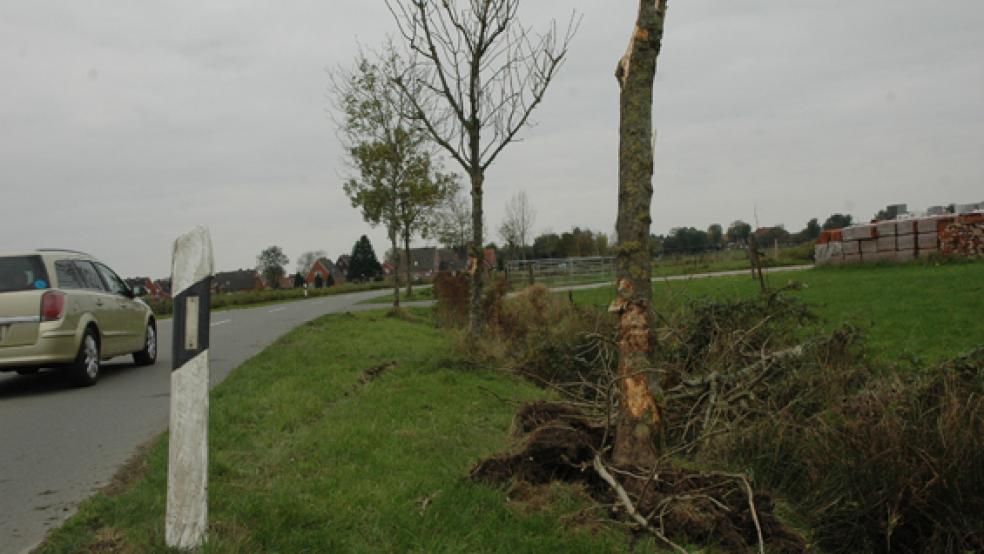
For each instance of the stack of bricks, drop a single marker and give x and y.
(903, 240)
(963, 235)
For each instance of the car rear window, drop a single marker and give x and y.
(90, 279)
(68, 276)
(22, 273)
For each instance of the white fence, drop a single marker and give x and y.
(560, 270)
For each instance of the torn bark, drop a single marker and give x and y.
(640, 417)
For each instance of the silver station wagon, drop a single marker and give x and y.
(65, 309)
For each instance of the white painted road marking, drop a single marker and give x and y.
(217, 323)
(276, 310)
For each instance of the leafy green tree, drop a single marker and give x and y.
(298, 280)
(364, 265)
(837, 221)
(686, 240)
(715, 234)
(395, 181)
(809, 233)
(271, 265)
(738, 232)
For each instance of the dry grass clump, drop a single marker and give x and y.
(897, 466)
(543, 336)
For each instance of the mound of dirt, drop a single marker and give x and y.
(558, 444)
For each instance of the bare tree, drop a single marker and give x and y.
(640, 417)
(474, 74)
(518, 223)
(451, 222)
(307, 259)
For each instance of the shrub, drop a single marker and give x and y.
(542, 335)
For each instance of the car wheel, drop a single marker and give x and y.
(148, 356)
(84, 371)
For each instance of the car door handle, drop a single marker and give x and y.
(99, 303)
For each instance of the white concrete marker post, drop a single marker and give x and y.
(186, 519)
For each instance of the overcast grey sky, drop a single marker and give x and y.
(123, 124)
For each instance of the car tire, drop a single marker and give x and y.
(148, 356)
(84, 371)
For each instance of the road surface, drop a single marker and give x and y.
(59, 444)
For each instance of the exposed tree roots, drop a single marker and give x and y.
(673, 503)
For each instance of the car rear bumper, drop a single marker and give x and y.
(52, 348)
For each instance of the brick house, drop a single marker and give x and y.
(323, 267)
(237, 281)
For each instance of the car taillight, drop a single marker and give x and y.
(52, 305)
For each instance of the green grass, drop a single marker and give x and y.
(305, 459)
(921, 312)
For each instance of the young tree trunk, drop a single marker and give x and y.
(406, 249)
(475, 316)
(753, 253)
(396, 272)
(640, 418)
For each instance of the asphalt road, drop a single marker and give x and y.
(59, 444)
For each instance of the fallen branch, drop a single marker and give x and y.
(630, 508)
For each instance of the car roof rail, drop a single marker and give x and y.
(65, 250)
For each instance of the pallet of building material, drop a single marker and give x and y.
(927, 241)
(905, 255)
(928, 253)
(852, 258)
(886, 244)
(851, 247)
(859, 232)
(876, 257)
(828, 253)
(971, 219)
(926, 225)
(962, 239)
(886, 228)
(905, 227)
(869, 246)
(905, 243)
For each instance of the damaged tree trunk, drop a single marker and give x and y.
(640, 420)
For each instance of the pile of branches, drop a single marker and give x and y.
(869, 461)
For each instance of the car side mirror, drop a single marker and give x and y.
(129, 293)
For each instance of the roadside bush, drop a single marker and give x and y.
(451, 295)
(543, 336)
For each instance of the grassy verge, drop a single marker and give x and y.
(306, 458)
(419, 293)
(253, 298)
(913, 311)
